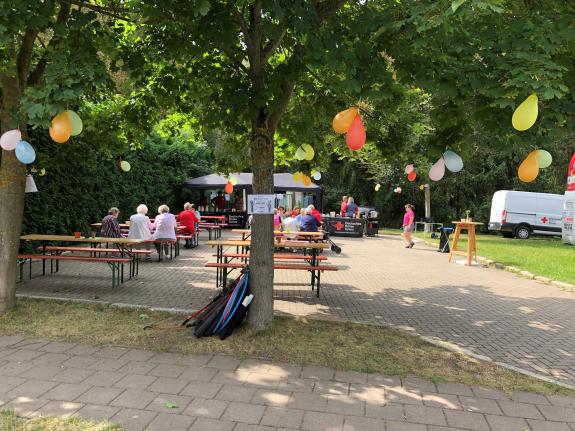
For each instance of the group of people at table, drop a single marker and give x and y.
(305, 220)
(163, 228)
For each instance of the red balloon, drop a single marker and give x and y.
(412, 176)
(355, 137)
(229, 188)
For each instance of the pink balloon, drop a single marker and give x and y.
(409, 169)
(437, 171)
(355, 137)
(10, 139)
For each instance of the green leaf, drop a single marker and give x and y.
(455, 4)
(170, 405)
(202, 8)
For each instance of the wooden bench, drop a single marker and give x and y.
(116, 263)
(245, 256)
(212, 227)
(194, 237)
(134, 254)
(315, 270)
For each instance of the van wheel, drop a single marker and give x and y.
(522, 232)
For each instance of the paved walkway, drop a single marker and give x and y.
(487, 311)
(171, 392)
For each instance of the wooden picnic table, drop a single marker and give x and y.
(123, 245)
(312, 236)
(313, 247)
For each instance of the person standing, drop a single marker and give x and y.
(188, 220)
(165, 224)
(352, 209)
(343, 208)
(408, 225)
(110, 226)
(219, 202)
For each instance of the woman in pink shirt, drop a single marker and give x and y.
(408, 223)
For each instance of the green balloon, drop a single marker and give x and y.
(544, 159)
(125, 166)
(75, 122)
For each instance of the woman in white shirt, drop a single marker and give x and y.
(141, 227)
(165, 224)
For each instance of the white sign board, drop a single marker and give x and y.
(568, 231)
(261, 204)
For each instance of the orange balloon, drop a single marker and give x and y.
(412, 176)
(342, 121)
(229, 188)
(355, 137)
(529, 168)
(306, 180)
(61, 129)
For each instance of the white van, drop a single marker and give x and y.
(522, 214)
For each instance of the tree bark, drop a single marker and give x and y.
(262, 246)
(12, 184)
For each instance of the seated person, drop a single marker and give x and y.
(311, 210)
(188, 220)
(309, 223)
(141, 227)
(165, 224)
(110, 226)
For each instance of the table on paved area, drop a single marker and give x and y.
(310, 236)
(313, 247)
(123, 244)
(471, 243)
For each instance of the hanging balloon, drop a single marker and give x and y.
(544, 159)
(526, 114)
(229, 188)
(437, 171)
(233, 180)
(300, 153)
(25, 153)
(42, 172)
(355, 137)
(316, 176)
(397, 190)
(297, 176)
(30, 185)
(452, 161)
(412, 176)
(377, 187)
(529, 168)
(306, 180)
(342, 121)
(409, 169)
(421, 187)
(75, 123)
(10, 139)
(61, 129)
(125, 166)
(309, 151)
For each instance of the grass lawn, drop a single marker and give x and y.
(547, 257)
(344, 346)
(9, 421)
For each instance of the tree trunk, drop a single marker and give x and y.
(262, 246)
(12, 184)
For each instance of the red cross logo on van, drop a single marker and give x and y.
(339, 225)
(544, 219)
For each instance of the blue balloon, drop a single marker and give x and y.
(452, 161)
(25, 153)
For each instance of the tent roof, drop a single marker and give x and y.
(282, 182)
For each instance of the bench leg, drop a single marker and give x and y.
(318, 282)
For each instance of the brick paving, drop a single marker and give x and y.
(213, 392)
(486, 311)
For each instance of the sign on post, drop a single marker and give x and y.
(261, 204)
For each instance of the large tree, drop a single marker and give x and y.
(50, 52)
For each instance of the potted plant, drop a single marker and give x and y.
(467, 217)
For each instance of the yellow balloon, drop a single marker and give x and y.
(343, 120)
(297, 176)
(529, 168)
(309, 151)
(526, 114)
(300, 153)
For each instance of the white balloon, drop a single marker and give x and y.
(317, 176)
(437, 171)
(10, 139)
(409, 169)
(452, 161)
